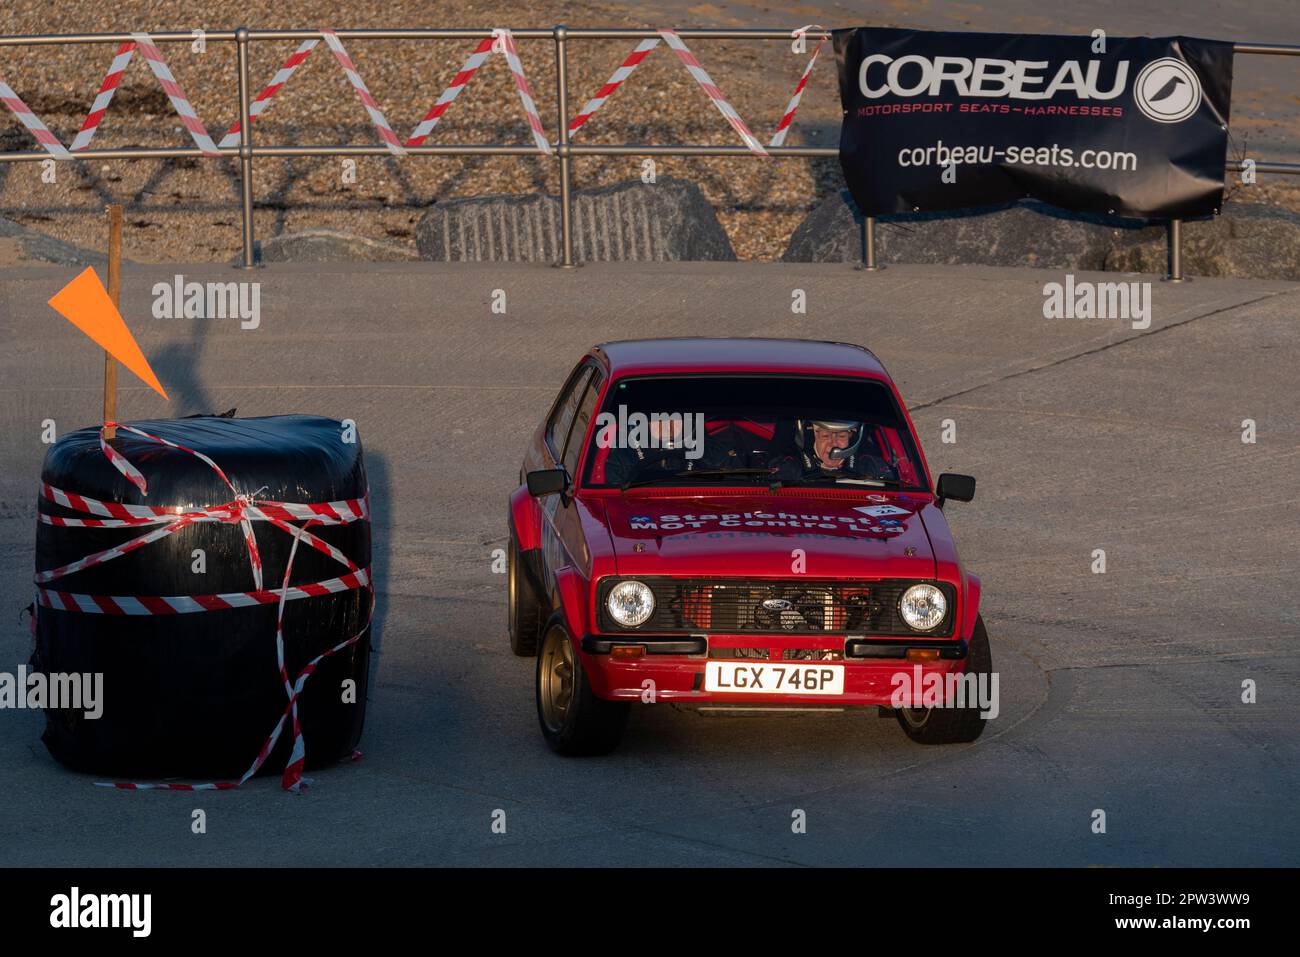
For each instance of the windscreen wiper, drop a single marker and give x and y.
(841, 480)
(696, 473)
(868, 480)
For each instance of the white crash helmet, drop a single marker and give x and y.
(804, 438)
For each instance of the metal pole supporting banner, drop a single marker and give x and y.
(869, 245)
(562, 146)
(1175, 251)
(245, 145)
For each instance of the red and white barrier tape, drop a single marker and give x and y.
(127, 469)
(521, 84)
(193, 603)
(123, 59)
(112, 78)
(243, 509)
(180, 102)
(326, 513)
(238, 511)
(292, 779)
(108, 554)
(501, 39)
(48, 140)
(644, 48)
(616, 80)
(458, 83)
(190, 604)
(263, 99)
(788, 117)
(708, 86)
(363, 93)
(298, 755)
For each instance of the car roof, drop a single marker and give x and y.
(701, 354)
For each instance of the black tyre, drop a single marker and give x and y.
(523, 610)
(574, 721)
(952, 725)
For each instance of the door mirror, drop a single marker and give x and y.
(959, 488)
(547, 481)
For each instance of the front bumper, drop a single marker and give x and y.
(673, 667)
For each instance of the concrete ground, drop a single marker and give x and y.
(1120, 691)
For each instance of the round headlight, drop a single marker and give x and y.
(631, 603)
(923, 607)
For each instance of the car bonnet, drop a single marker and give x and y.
(771, 535)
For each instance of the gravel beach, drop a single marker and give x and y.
(187, 209)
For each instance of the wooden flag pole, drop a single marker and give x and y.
(115, 294)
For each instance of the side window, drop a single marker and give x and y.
(557, 429)
(580, 422)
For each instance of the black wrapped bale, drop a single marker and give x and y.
(196, 695)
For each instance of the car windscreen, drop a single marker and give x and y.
(751, 429)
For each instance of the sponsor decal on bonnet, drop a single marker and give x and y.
(878, 510)
(762, 519)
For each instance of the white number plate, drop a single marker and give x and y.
(771, 678)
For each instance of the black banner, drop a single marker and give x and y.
(936, 121)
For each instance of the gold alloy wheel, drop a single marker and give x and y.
(555, 677)
(915, 717)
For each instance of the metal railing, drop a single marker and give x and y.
(563, 150)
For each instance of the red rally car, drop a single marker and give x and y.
(737, 523)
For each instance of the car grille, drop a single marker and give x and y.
(781, 607)
(787, 654)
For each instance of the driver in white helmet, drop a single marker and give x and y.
(831, 448)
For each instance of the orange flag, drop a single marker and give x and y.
(85, 303)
